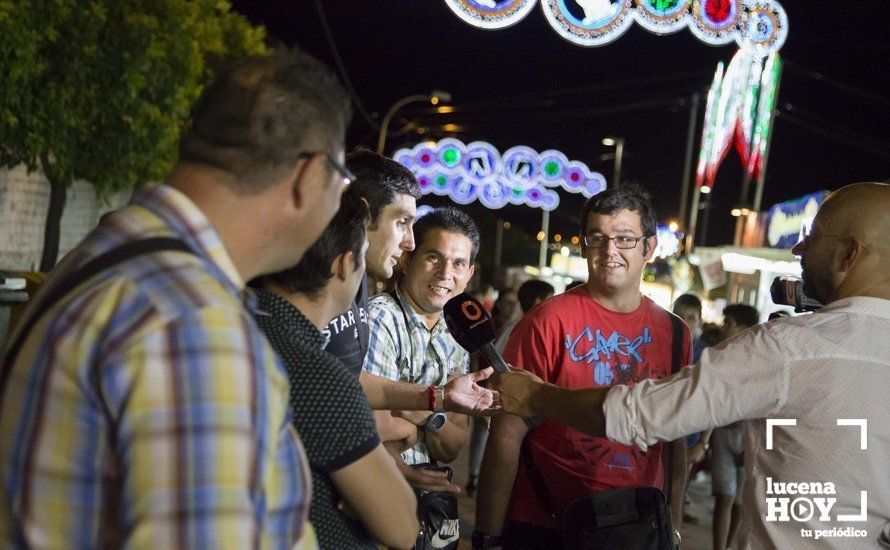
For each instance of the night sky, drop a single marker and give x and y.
(527, 86)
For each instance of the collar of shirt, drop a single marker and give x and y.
(188, 223)
(877, 307)
(289, 320)
(415, 320)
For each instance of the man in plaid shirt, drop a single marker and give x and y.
(145, 407)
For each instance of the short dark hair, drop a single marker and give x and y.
(447, 218)
(687, 301)
(627, 197)
(379, 180)
(255, 120)
(531, 291)
(345, 233)
(742, 314)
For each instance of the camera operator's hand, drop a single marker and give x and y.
(426, 480)
(518, 389)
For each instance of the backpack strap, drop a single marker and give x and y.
(72, 280)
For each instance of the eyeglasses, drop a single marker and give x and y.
(346, 173)
(622, 242)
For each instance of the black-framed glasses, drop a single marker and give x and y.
(346, 173)
(623, 242)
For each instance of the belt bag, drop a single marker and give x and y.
(437, 515)
(631, 518)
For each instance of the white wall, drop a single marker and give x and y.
(24, 200)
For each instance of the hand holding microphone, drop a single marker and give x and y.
(472, 327)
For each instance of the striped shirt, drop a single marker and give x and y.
(147, 409)
(401, 348)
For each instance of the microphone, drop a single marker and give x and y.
(472, 327)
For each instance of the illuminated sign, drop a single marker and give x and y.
(478, 171)
(788, 219)
(760, 26)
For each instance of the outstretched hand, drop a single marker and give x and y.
(464, 395)
(517, 391)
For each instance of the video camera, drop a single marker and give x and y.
(788, 291)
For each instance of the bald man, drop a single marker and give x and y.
(812, 389)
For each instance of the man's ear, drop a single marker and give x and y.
(305, 179)
(650, 243)
(343, 265)
(851, 252)
(472, 271)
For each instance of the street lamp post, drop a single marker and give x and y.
(433, 97)
(619, 154)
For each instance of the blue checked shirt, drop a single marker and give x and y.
(146, 409)
(401, 348)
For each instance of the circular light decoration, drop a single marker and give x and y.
(441, 184)
(595, 185)
(520, 176)
(491, 14)
(576, 177)
(451, 153)
(662, 16)
(552, 166)
(715, 22)
(482, 162)
(425, 183)
(588, 22)
(764, 27)
(464, 191)
(425, 157)
(521, 167)
(422, 211)
(493, 195)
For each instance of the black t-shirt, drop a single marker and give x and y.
(348, 333)
(330, 412)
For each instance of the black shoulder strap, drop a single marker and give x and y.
(74, 279)
(676, 364)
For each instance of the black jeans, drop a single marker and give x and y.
(524, 536)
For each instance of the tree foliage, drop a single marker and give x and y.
(101, 89)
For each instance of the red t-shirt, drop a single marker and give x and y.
(574, 342)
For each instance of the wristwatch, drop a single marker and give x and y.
(481, 540)
(435, 422)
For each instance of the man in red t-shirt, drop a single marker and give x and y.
(599, 334)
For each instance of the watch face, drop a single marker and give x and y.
(435, 422)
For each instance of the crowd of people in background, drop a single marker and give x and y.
(207, 368)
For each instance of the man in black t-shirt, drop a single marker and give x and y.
(330, 411)
(391, 192)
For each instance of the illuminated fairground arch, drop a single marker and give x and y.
(478, 171)
(760, 26)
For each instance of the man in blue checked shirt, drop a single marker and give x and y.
(410, 342)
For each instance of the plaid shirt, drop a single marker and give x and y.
(417, 354)
(146, 409)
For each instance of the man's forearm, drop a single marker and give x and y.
(498, 473)
(678, 488)
(579, 409)
(386, 394)
(447, 443)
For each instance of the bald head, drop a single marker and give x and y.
(847, 252)
(860, 210)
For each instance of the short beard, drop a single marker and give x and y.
(816, 286)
